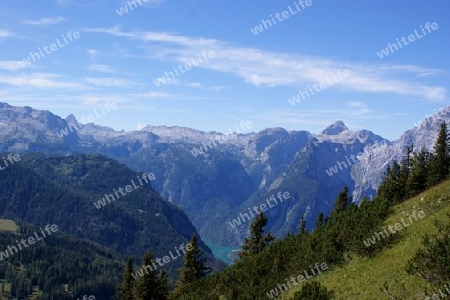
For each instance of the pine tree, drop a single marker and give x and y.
(364, 201)
(389, 189)
(257, 240)
(193, 268)
(320, 221)
(431, 261)
(417, 180)
(146, 287)
(302, 226)
(163, 284)
(342, 201)
(440, 160)
(405, 168)
(313, 291)
(126, 288)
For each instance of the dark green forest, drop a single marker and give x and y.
(61, 190)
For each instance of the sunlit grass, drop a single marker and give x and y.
(363, 278)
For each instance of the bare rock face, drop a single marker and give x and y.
(369, 172)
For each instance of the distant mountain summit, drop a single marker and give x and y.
(335, 129)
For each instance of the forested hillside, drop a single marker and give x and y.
(59, 267)
(41, 190)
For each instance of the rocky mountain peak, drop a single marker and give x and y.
(335, 129)
(71, 119)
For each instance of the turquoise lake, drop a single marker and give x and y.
(221, 252)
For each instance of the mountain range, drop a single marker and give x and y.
(217, 178)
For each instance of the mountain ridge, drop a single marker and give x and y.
(261, 164)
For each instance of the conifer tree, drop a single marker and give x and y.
(405, 168)
(342, 201)
(313, 291)
(146, 287)
(257, 241)
(417, 180)
(389, 187)
(440, 159)
(320, 221)
(364, 201)
(302, 226)
(431, 261)
(163, 284)
(126, 288)
(194, 267)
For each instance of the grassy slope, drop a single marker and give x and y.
(362, 278)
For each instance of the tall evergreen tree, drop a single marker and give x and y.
(257, 240)
(440, 160)
(405, 168)
(319, 221)
(302, 226)
(163, 284)
(147, 287)
(417, 180)
(194, 267)
(342, 201)
(126, 288)
(313, 291)
(389, 188)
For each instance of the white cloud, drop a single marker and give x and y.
(92, 53)
(176, 81)
(106, 81)
(271, 69)
(44, 21)
(102, 68)
(11, 65)
(361, 108)
(38, 80)
(217, 88)
(5, 33)
(167, 96)
(156, 95)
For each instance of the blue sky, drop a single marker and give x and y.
(251, 76)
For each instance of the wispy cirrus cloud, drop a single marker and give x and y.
(171, 96)
(44, 21)
(102, 68)
(178, 82)
(39, 80)
(6, 33)
(265, 68)
(11, 65)
(92, 53)
(360, 108)
(111, 82)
